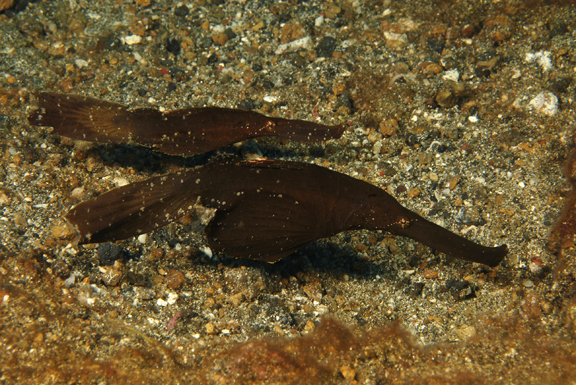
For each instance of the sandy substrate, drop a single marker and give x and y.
(462, 110)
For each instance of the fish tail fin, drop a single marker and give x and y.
(134, 209)
(82, 117)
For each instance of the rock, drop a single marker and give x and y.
(175, 279)
(210, 328)
(326, 47)
(388, 127)
(546, 103)
(220, 38)
(465, 332)
(291, 31)
(173, 45)
(143, 293)
(445, 98)
(108, 253)
(179, 11)
(499, 27)
(6, 4)
(332, 11)
(347, 372)
(111, 276)
(293, 46)
(63, 232)
(413, 193)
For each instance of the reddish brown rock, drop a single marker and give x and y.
(175, 279)
(499, 27)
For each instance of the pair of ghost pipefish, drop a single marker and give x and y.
(264, 209)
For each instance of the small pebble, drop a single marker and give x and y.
(332, 11)
(540, 57)
(237, 299)
(413, 193)
(546, 103)
(326, 47)
(77, 193)
(388, 127)
(445, 98)
(80, 63)
(108, 253)
(111, 276)
(395, 40)
(452, 75)
(309, 326)
(175, 279)
(62, 232)
(161, 302)
(528, 283)
(347, 372)
(119, 181)
(465, 332)
(293, 46)
(453, 182)
(132, 39)
(499, 27)
(143, 293)
(220, 38)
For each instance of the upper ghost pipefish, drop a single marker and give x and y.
(264, 210)
(187, 131)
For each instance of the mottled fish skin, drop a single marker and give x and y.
(265, 210)
(185, 132)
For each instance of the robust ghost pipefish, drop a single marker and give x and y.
(265, 210)
(187, 131)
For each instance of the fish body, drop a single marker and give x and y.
(187, 131)
(265, 210)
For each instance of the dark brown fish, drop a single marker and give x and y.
(264, 210)
(186, 131)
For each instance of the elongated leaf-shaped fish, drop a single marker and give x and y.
(265, 210)
(186, 131)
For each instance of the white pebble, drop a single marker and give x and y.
(206, 250)
(81, 63)
(120, 181)
(528, 283)
(453, 75)
(540, 57)
(295, 45)
(402, 37)
(161, 302)
(545, 103)
(77, 192)
(218, 28)
(172, 297)
(132, 39)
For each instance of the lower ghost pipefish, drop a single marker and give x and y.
(264, 210)
(187, 131)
